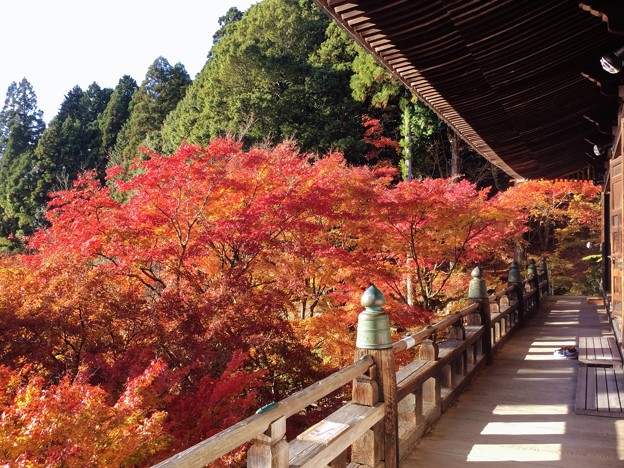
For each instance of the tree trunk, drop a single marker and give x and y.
(407, 150)
(454, 141)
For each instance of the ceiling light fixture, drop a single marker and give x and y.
(612, 61)
(599, 150)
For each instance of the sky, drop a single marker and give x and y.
(58, 44)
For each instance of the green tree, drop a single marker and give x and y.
(70, 145)
(231, 16)
(158, 95)
(117, 112)
(254, 84)
(21, 123)
(21, 127)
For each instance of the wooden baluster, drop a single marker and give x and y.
(432, 388)
(369, 449)
(460, 365)
(504, 303)
(270, 449)
(373, 338)
(497, 331)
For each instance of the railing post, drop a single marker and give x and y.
(513, 279)
(478, 293)
(534, 279)
(270, 449)
(544, 267)
(373, 338)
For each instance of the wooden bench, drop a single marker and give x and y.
(600, 381)
(318, 446)
(599, 351)
(600, 391)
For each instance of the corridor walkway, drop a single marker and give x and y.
(520, 410)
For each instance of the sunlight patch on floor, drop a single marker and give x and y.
(560, 323)
(512, 410)
(619, 436)
(561, 373)
(552, 344)
(524, 428)
(515, 452)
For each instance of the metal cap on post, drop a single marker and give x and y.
(373, 331)
(514, 273)
(532, 268)
(476, 288)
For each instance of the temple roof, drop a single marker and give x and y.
(520, 81)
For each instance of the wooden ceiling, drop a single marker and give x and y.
(519, 80)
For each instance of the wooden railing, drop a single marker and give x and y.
(390, 410)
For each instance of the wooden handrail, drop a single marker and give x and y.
(218, 445)
(417, 338)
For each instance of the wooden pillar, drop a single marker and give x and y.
(373, 338)
(270, 450)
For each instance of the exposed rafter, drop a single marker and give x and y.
(509, 76)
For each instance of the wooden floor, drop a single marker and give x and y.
(520, 410)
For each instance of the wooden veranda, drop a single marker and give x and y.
(522, 408)
(485, 386)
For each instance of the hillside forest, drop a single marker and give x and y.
(180, 252)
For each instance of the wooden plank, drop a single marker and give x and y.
(360, 418)
(602, 400)
(582, 348)
(615, 350)
(590, 401)
(581, 389)
(593, 352)
(615, 404)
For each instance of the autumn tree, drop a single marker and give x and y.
(74, 424)
(437, 228)
(563, 215)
